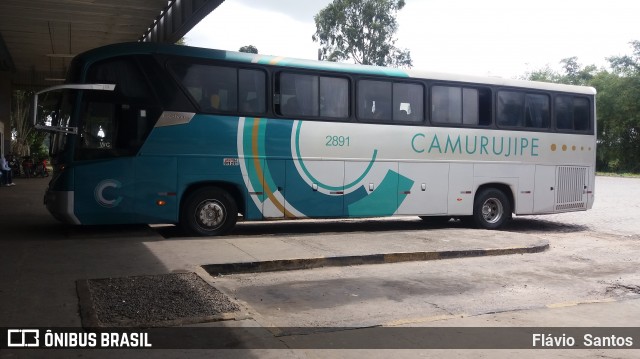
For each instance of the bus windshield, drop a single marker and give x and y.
(115, 123)
(53, 112)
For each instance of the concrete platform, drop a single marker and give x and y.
(257, 254)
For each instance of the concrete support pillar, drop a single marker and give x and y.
(5, 112)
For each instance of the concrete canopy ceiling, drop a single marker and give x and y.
(38, 38)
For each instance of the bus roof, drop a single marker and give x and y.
(240, 57)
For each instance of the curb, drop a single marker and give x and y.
(383, 258)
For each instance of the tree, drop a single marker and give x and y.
(618, 106)
(182, 41)
(27, 139)
(362, 31)
(575, 74)
(249, 49)
(628, 64)
(546, 74)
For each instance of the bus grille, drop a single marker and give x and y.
(572, 184)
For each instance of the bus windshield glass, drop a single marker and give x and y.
(53, 109)
(115, 123)
(54, 113)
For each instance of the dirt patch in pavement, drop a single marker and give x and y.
(155, 300)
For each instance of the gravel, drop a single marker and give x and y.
(156, 300)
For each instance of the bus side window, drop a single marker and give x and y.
(252, 91)
(374, 100)
(537, 111)
(470, 106)
(446, 104)
(572, 113)
(510, 109)
(485, 107)
(407, 102)
(219, 87)
(334, 97)
(213, 88)
(458, 105)
(299, 94)
(581, 118)
(564, 113)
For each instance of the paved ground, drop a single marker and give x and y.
(616, 210)
(589, 277)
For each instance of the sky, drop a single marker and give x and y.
(488, 38)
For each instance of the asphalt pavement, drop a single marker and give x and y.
(42, 261)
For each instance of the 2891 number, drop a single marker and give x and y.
(337, 141)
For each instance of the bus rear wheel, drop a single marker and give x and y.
(209, 211)
(491, 209)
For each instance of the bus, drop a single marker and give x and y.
(156, 133)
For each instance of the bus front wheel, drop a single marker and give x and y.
(209, 211)
(491, 209)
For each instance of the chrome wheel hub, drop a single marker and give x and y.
(210, 214)
(492, 210)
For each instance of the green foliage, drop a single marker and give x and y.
(182, 41)
(617, 106)
(546, 74)
(362, 31)
(28, 141)
(249, 49)
(20, 124)
(628, 64)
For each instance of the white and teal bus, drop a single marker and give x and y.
(150, 133)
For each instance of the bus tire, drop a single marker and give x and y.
(491, 209)
(209, 211)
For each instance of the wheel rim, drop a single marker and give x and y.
(492, 210)
(210, 215)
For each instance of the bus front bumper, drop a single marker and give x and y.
(60, 205)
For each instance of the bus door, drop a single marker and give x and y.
(113, 127)
(104, 191)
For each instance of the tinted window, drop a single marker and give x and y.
(314, 96)
(298, 95)
(581, 114)
(537, 111)
(572, 113)
(510, 109)
(222, 88)
(252, 91)
(407, 102)
(334, 97)
(457, 105)
(519, 109)
(116, 123)
(213, 88)
(470, 113)
(374, 100)
(446, 104)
